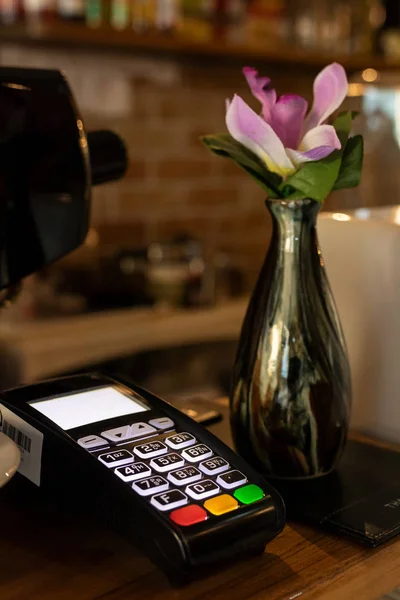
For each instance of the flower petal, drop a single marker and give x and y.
(257, 84)
(298, 158)
(248, 128)
(330, 89)
(316, 144)
(323, 135)
(287, 119)
(260, 89)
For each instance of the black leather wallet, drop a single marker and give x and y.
(361, 499)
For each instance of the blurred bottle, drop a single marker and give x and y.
(39, 10)
(94, 13)
(120, 15)
(11, 11)
(267, 19)
(236, 10)
(144, 14)
(71, 10)
(168, 14)
(197, 19)
(235, 16)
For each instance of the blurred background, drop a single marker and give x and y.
(161, 283)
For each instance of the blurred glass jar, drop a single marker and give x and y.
(376, 96)
(182, 273)
(340, 26)
(175, 271)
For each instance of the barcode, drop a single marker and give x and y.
(22, 440)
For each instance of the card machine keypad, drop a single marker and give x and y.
(179, 475)
(156, 476)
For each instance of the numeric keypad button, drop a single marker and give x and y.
(221, 504)
(202, 489)
(134, 471)
(162, 423)
(116, 458)
(197, 453)
(180, 440)
(231, 479)
(90, 442)
(169, 500)
(214, 466)
(150, 450)
(188, 515)
(146, 487)
(184, 476)
(165, 463)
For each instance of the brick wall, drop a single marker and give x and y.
(173, 185)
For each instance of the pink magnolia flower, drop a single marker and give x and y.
(283, 137)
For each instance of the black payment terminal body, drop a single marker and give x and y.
(183, 497)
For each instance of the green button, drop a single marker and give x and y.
(248, 494)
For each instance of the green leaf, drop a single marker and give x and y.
(316, 179)
(354, 113)
(352, 161)
(342, 124)
(225, 145)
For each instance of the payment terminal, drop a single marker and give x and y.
(181, 495)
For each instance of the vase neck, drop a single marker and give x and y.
(294, 254)
(294, 232)
(292, 216)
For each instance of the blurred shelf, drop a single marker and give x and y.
(44, 347)
(272, 51)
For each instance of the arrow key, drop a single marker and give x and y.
(128, 432)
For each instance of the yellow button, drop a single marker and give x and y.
(221, 504)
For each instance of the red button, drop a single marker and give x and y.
(188, 515)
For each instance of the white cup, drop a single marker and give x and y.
(361, 250)
(10, 458)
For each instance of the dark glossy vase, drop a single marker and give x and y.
(291, 391)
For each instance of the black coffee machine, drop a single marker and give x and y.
(48, 163)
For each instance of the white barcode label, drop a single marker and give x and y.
(28, 439)
(22, 440)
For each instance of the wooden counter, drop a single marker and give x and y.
(47, 347)
(49, 554)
